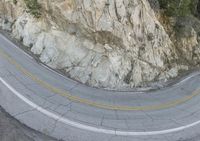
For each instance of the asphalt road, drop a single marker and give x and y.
(62, 108)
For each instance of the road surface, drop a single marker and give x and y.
(62, 108)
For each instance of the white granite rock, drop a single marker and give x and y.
(104, 43)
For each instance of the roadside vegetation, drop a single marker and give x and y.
(34, 7)
(179, 7)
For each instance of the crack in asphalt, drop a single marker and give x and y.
(22, 113)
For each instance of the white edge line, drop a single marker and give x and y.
(187, 78)
(90, 128)
(53, 71)
(4, 38)
(177, 84)
(28, 55)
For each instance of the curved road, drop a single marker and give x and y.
(56, 106)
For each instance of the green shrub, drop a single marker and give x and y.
(15, 2)
(178, 7)
(33, 7)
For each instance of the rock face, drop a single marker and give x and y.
(104, 43)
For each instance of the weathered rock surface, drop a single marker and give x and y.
(108, 43)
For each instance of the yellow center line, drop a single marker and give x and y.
(92, 103)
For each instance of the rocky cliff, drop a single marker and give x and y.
(105, 43)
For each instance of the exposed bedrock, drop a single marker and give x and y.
(103, 43)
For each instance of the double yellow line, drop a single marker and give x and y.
(92, 103)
